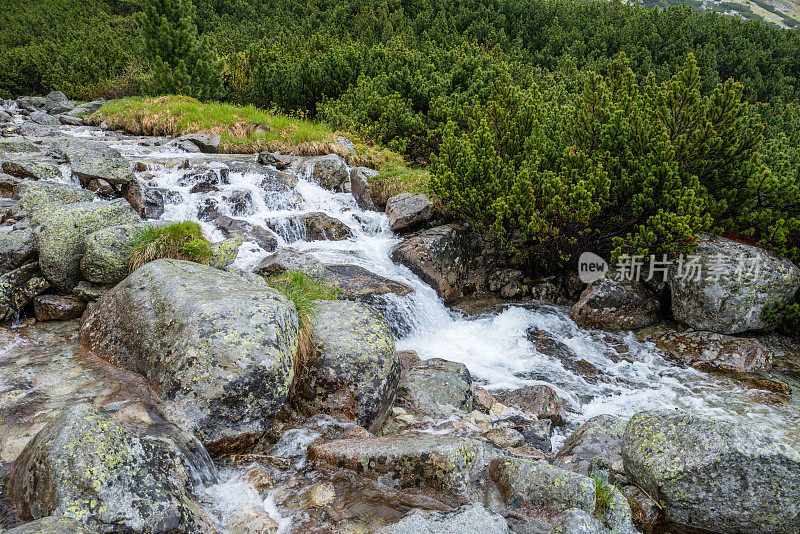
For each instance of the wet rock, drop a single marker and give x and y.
(545, 343)
(695, 465)
(728, 297)
(406, 211)
(102, 189)
(9, 185)
(355, 370)
(356, 283)
(253, 520)
(329, 171)
(57, 103)
(320, 227)
(90, 160)
(278, 161)
(69, 120)
(19, 287)
(577, 521)
(408, 359)
(89, 292)
(290, 259)
(450, 258)
(147, 201)
(208, 143)
(277, 181)
(240, 202)
(62, 241)
(108, 252)
(57, 307)
(437, 462)
(504, 437)
(209, 173)
(222, 348)
(18, 246)
(535, 433)
(596, 444)
(644, 511)
(540, 400)
(34, 170)
(52, 525)
(39, 199)
(224, 253)
(45, 119)
(482, 399)
(709, 351)
(436, 387)
(473, 517)
(86, 109)
(609, 304)
(541, 491)
(360, 187)
(85, 465)
(31, 103)
(237, 228)
(203, 187)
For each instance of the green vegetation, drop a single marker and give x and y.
(180, 241)
(604, 493)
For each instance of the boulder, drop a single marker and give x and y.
(319, 226)
(540, 400)
(290, 259)
(62, 241)
(86, 109)
(596, 444)
(712, 474)
(237, 228)
(57, 103)
(54, 524)
(240, 202)
(438, 462)
(147, 201)
(35, 170)
(449, 258)
(44, 119)
(278, 161)
(18, 246)
(577, 521)
(436, 387)
(87, 466)
(547, 344)
(222, 348)
(91, 159)
(610, 304)
(89, 292)
(473, 517)
(19, 287)
(208, 143)
(16, 145)
(407, 211)
(108, 252)
(38, 199)
(355, 370)
(361, 189)
(57, 307)
(31, 103)
(224, 252)
(329, 171)
(727, 297)
(102, 189)
(69, 120)
(356, 283)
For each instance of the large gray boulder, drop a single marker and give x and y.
(57, 102)
(86, 109)
(611, 304)
(62, 242)
(237, 228)
(727, 297)
(407, 210)
(35, 170)
(329, 171)
(93, 160)
(87, 466)
(596, 444)
(221, 347)
(44, 119)
(714, 475)
(361, 187)
(577, 521)
(355, 370)
(16, 145)
(473, 517)
(38, 199)
(436, 387)
(108, 252)
(207, 142)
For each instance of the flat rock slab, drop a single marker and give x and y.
(357, 283)
(90, 160)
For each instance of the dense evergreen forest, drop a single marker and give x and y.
(553, 123)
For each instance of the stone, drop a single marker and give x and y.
(91, 159)
(356, 283)
(222, 348)
(407, 211)
(69, 120)
(438, 462)
(86, 109)
(18, 246)
(17, 145)
(57, 307)
(252, 520)
(224, 253)
(278, 161)
(724, 299)
(577, 521)
(147, 201)
(38, 199)
(540, 400)
(482, 399)
(31, 103)
(19, 287)
(107, 255)
(644, 510)
(52, 525)
(536, 433)
(34, 170)
(361, 189)
(614, 305)
(436, 387)
(290, 259)
(86, 465)
(596, 444)
(322, 227)
(62, 241)
(408, 359)
(56, 103)
(547, 344)
(45, 119)
(208, 143)
(101, 188)
(237, 228)
(712, 474)
(89, 292)
(355, 370)
(474, 517)
(329, 171)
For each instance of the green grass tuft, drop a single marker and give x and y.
(180, 241)
(604, 493)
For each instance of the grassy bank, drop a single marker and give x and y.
(247, 129)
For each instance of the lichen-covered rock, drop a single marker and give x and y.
(540, 490)
(86, 109)
(57, 307)
(540, 400)
(19, 287)
(108, 252)
(355, 371)
(712, 474)
(91, 159)
(438, 462)
(450, 258)
(356, 283)
(16, 145)
(710, 351)
(237, 228)
(89, 292)
(727, 297)
(87, 466)
(597, 443)
(18, 246)
(38, 199)
(610, 304)
(329, 171)
(45, 119)
(290, 259)
(62, 241)
(577, 521)
(224, 253)
(54, 524)
(361, 189)
(222, 348)
(278, 161)
(473, 517)
(407, 210)
(35, 170)
(436, 387)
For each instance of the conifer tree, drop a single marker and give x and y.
(182, 61)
